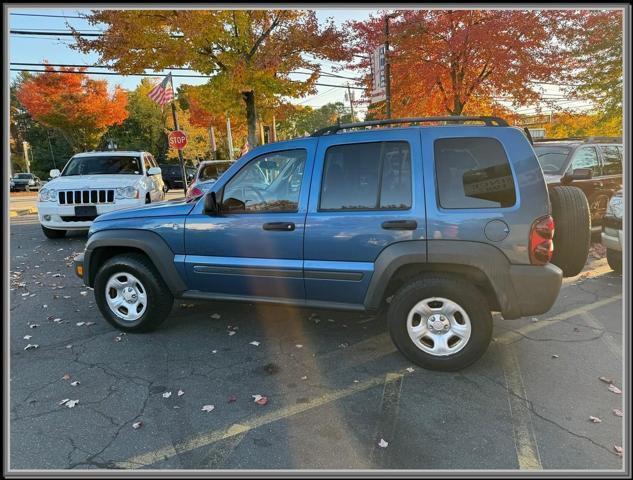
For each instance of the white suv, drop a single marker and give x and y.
(93, 183)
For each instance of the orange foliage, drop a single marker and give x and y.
(79, 107)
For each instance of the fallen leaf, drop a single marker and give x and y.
(57, 320)
(180, 393)
(166, 394)
(214, 351)
(595, 419)
(232, 398)
(344, 345)
(254, 342)
(66, 376)
(33, 325)
(29, 346)
(117, 339)
(410, 369)
(90, 323)
(260, 399)
(216, 316)
(534, 319)
(617, 412)
(383, 443)
(56, 275)
(554, 356)
(71, 403)
(137, 425)
(304, 378)
(83, 293)
(75, 383)
(27, 337)
(614, 389)
(187, 305)
(298, 345)
(69, 346)
(64, 401)
(605, 379)
(80, 324)
(208, 408)
(232, 332)
(618, 449)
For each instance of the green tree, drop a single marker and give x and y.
(301, 120)
(250, 53)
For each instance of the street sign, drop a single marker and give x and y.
(378, 90)
(177, 139)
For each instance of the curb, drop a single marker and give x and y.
(22, 212)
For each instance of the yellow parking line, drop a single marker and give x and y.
(237, 429)
(606, 338)
(512, 336)
(524, 438)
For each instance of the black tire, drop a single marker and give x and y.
(147, 199)
(159, 298)
(50, 233)
(453, 288)
(572, 234)
(614, 259)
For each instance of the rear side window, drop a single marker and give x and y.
(611, 160)
(367, 176)
(473, 173)
(586, 157)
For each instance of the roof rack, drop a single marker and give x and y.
(488, 121)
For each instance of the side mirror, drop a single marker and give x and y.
(211, 205)
(153, 171)
(578, 174)
(54, 173)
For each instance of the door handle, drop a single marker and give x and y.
(400, 225)
(281, 226)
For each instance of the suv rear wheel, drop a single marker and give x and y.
(131, 294)
(440, 322)
(572, 229)
(614, 259)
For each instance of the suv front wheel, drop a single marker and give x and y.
(130, 293)
(440, 322)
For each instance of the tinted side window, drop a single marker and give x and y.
(586, 157)
(268, 183)
(367, 176)
(473, 173)
(611, 160)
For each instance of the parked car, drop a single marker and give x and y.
(93, 183)
(172, 175)
(25, 182)
(351, 220)
(612, 234)
(592, 166)
(208, 172)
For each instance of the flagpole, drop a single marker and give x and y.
(176, 127)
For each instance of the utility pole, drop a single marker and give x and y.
(274, 129)
(351, 100)
(212, 141)
(25, 147)
(176, 127)
(387, 68)
(229, 137)
(50, 147)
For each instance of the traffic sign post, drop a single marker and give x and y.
(177, 139)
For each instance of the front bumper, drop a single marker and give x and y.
(50, 213)
(78, 266)
(612, 239)
(535, 289)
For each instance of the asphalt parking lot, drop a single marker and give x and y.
(336, 387)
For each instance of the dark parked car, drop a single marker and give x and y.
(25, 182)
(593, 166)
(351, 220)
(172, 175)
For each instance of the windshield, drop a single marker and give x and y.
(23, 175)
(552, 157)
(213, 171)
(102, 164)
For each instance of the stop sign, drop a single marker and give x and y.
(177, 139)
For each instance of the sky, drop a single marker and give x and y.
(35, 49)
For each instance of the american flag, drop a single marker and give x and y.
(163, 92)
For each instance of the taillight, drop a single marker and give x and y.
(193, 192)
(541, 240)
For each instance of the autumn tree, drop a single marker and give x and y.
(144, 127)
(249, 53)
(597, 48)
(302, 120)
(573, 124)
(74, 104)
(441, 60)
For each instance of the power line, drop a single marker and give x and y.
(44, 15)
(160, 75)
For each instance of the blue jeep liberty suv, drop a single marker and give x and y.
(439, 224)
